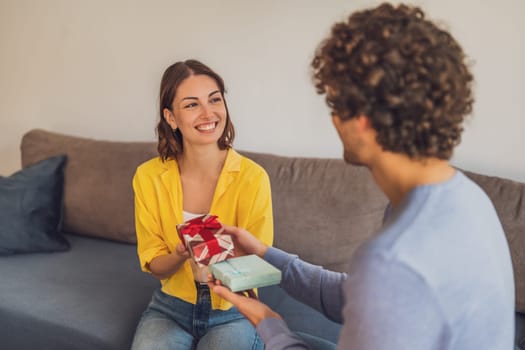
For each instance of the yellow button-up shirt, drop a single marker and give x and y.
(242, 198)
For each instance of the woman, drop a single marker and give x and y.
(197, 172)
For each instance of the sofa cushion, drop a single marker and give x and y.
(508, 198)
(520, 331)
(31, 208)
(311, 217)
(98, 197)
(90, 297)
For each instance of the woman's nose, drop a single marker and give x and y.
(206, 111)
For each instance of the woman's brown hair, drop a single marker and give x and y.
(170, 142)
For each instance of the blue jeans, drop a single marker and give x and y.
(171, 323)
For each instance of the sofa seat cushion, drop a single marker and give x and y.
(90, 297)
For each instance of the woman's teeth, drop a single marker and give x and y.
(205, 127)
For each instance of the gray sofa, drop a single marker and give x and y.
(91, 296)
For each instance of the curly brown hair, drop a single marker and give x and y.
(171, 142)
(409, 77)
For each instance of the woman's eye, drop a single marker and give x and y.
(216, 100)
(190, 105)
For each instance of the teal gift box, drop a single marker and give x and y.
(245, 272)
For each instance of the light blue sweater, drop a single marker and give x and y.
(438, 276)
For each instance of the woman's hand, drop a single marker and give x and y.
(244, 242)
(181, 251)
(164, 266)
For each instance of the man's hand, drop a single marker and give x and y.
(251, 308)
(244, 242)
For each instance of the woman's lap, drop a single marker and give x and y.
(170, 323)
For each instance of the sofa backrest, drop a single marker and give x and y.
(508, 198)
(323, 208)
(98, 197)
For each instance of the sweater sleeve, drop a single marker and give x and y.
(310, 284)
(276, 335)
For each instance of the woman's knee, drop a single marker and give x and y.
(155, 331)
(235, 335)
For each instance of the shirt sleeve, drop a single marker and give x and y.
(390, 306)
(255, 208)
(150, 243)
(311, 284)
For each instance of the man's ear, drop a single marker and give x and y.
(169, 118)
(366, 129)
(363, 122)
(336, 121)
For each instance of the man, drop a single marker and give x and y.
(438, 274)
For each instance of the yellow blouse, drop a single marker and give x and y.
(242, 198)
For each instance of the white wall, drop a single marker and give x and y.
(92, 68)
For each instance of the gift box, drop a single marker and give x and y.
(203, 238)
(245, 272)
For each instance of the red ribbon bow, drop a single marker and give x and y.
(205, 226)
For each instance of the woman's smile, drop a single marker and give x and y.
(207, 127)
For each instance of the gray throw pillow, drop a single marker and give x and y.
(31, 208)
